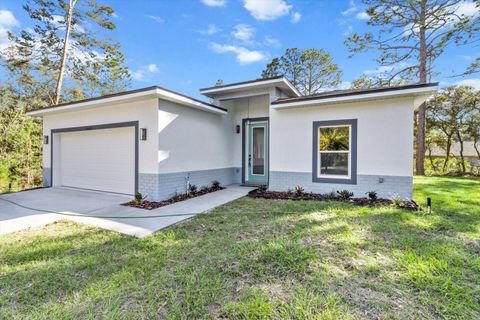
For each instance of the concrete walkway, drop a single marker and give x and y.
(22, 210)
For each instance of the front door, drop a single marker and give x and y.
(257, 155)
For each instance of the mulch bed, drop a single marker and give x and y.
(407, 204)
(150, 205)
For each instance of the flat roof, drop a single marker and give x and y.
(158, 91)
(278, 81)
(336, 96)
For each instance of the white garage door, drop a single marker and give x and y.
(101, 160)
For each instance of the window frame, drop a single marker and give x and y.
(351, 178)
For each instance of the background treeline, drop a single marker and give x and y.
(61, 57)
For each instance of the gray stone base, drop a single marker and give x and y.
(166, 185)
(390, 187)
(46, 177)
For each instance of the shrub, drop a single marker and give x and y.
(345, 194)
(138, 197)
(397, 201)
(332, 195)
(372, 195)
(298, 190)
(204, 189)
(262, 188)
(192, 188)
(289, 191)
(215, 185)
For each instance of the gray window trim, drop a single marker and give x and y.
(353, 174)
(97, 127)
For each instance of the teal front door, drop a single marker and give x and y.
(257, 152)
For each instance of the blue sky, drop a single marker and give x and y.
(189, 44)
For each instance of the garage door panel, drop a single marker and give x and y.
(99, 160)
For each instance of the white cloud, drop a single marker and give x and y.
(243, 32)
(142, 73)
(271, 42)
(214, 3)
(362, 16)
(296, 16)
(267, 9)
(7, 22)
(382, 70)
(475, 83)
(349, 31)
(212, 29)
(244, 56)
(352, 7)
(344, 85)
(467, 8)
(157, 19)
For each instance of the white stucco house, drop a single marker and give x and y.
(154, 140)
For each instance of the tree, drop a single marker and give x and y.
(410, 36)
(20, 144)
(309, 70)
(366, 82)
(63, 51)
(452, 112)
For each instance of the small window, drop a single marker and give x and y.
(334, 151)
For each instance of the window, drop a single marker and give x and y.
(334, 151)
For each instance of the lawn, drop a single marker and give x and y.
(256, 259)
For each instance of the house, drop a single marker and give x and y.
(469, 151)
(154, 140)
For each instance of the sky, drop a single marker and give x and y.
(184, 45)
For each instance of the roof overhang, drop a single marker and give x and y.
(130, 96)
(256, 85)
(419, 94)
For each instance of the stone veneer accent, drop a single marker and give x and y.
(390, 187)
(164, 185)
(46, 177)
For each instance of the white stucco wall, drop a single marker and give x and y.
(144, 111)
(385, 136)
(190, 139)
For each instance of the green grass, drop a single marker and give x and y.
(259, 259)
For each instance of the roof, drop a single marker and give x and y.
(153, 91)
(355, 95)
(468, 150)
(279, 82)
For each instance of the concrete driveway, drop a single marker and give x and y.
(36, 208)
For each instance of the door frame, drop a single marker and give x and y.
(97, 127)
(244, 148)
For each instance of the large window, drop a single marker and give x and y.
(334, 151)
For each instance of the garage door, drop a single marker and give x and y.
(101, 160)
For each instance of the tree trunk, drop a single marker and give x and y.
(447, 154)
(63, 61)
(462, 158)
(420, 164)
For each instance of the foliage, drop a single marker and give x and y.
(453, 116)
(192, 188)
(20, 145)
(345, 194)
(310, 70)
(138, 197)
(372, 195)
(397, 201)
(36, 61)
(299, 190)
(262, 188)
(215, 185)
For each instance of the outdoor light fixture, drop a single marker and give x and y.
(237, 128)
(143, 134)
(45, 139)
